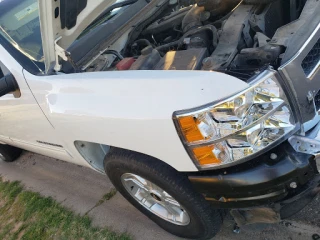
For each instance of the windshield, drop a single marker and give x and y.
(20, 25)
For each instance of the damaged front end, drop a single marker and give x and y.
(240, 144)
(276, 186)
(283, 180)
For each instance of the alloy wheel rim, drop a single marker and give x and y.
(155, 199)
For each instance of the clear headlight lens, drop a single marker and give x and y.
(240, 126)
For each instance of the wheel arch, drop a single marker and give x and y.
(95, 154)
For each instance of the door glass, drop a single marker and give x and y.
(20, 25)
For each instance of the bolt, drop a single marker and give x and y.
(187, 41)
(310, 96)
(236, 229)
(315, 236)
(207, 62)
(273, 156)
(293, 185)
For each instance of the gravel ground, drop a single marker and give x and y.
(82, 190)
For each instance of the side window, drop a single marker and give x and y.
(20, 32)
(20, 24)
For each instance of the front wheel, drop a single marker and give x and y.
(9, 153)
(163, 194)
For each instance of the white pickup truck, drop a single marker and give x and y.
(190, 107)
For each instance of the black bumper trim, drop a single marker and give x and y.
(259, 182)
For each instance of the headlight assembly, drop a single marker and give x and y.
(239, 127)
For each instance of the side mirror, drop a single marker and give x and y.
(8, 84)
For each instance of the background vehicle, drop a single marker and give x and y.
(233, 125)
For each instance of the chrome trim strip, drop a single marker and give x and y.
(316, 68)
(268, 195)
(300, 84)
(302, 48)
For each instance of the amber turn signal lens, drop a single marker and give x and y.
(190, 129)
(205, 155)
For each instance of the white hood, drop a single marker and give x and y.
(62, 22)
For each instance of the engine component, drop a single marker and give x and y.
(125, 63)
(192, 21)
(192, 18)
(230, 38)
(138, 45)
(240, 48)
(218, 7)
(99, 64)
(192, 33)
(144, 42)
(221, 6)
(268, 20)
(167, 22)
(260, 40)
(113, 52)
(257, 57)
(259, 1)
(190, 59)
(148, 59)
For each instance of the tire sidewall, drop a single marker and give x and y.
(174, 183)
(10, 153)
(5, 158)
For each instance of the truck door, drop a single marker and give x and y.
(22, 123)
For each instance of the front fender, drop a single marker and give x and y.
(128, 109)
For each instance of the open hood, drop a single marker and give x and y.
(62, 22)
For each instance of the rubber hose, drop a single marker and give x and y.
(114, 52)
(203, 28)
(192, 18)
(143, 41)
(191, 32)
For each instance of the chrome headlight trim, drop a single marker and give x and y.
(253, 83)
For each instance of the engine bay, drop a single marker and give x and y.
(231, 36)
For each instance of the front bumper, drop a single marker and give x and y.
(310, 143)
(282, 179)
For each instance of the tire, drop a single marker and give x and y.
(9, 153)
(204, 221)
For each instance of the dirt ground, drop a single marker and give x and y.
(84, 191)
